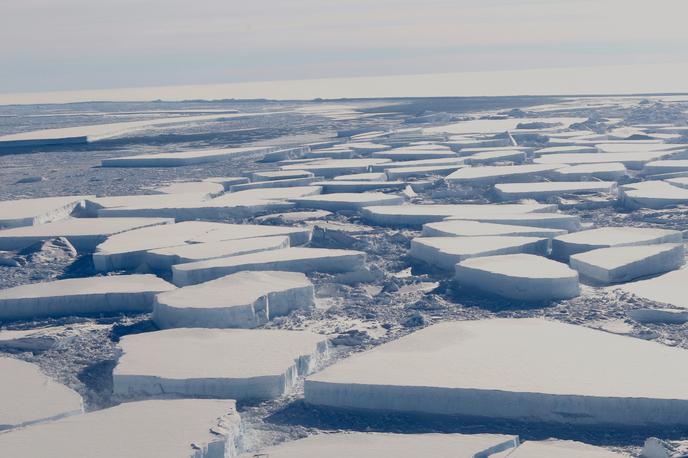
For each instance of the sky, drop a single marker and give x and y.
(57, 45)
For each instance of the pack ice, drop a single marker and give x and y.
(83, 233)
(626, 263)
(348, 201)
(28, 212)
(81, 296)
(241, 300)
(489, 174)
(584, 376)
(376, 445)
(653, 194)
(332, 167)
(666, 289)
(547, 189)
(446, 252)
(467, 228)
(180, 428)
(220, 363)
(519, 276)
(28, 396)
(181, 158)
(297, 259)
(564, 246)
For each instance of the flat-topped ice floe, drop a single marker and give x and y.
(348, 200)
(476, 369)
(611, 171)
(178, 428)
(333, 167)
(128, 249)
(653, 194)
(489, 175)
(519, 276)
(396, 173)
(489, 157)
(446, 252)
(165, 258)
(221, 363)
(368, 176)
(451, 161)
(341, 186)
(241, 300)
(670, 166)
(280, 175)
(565, 149)
(410, 154)
(670, 289)
(552, 448)
(377, 445)
(227, 182)
(634, 160)
(182, 158)
(604, 237)
(207, 188)
(240, 204)
(81, 296)
(626, 263)
(417, 215)
(28, 396)
(29, 212)
(467, 228)
(83, 233)
(570, 223)
(547, 189)
(304, 260)
(267, 184)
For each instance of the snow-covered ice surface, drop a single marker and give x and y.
(28, 396)
(375, 445)
(474, 369)
(180, 428)
(560, 449)
(391, 294)
(217, 363)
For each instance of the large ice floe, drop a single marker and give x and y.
(333, 167)
(341, 186)
(28, 212)
(83, 233)
(417, 215)
(467, 228)
(82, 296)
(377, 445)
(489, 174)
(564, 246)
(183, 157)
(165, 258)
(611, 171)
(653, 194)
(241, 300)
(129, 250)
(296, 259)
(666, 289)
(221, 363)
(28, 396)
(519, 276)
(631, 160)
(490, 157)
(553, 448)
(178, 428)
(547, 189)
(477, 369)
(348, 201)
(626, 263)
(445, 252)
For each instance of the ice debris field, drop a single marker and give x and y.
(465, 277)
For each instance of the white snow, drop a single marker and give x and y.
(333, 167)
(553, 448)
(412, 154)
(626, 263)
(489, 175)
(570, 223)
(220, 363)
(565, 150)
(421, 171)
(182, 157)
(29, 212)
(341, 186)
(669, 288)
(486, 369)
(304, 260)
(241, 300)
(208, 188)
(378, 445)
(519, 276)
(653, 194)
(280, 175)
(445, 252)
(458, 162)
(612, 171)
(467, 228)
(417, 215)
(681, 182)
(639, 145)
(369, 176)
(83, 233)
(28, 396)
(494, 126)
(657, 167)
(128, 250)
(547, 189)
(227, 182)
(267, 184)
(182, 428)
(79, 296)
(566, 245)
(632, 160)
(348, 201)
(165, 258)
